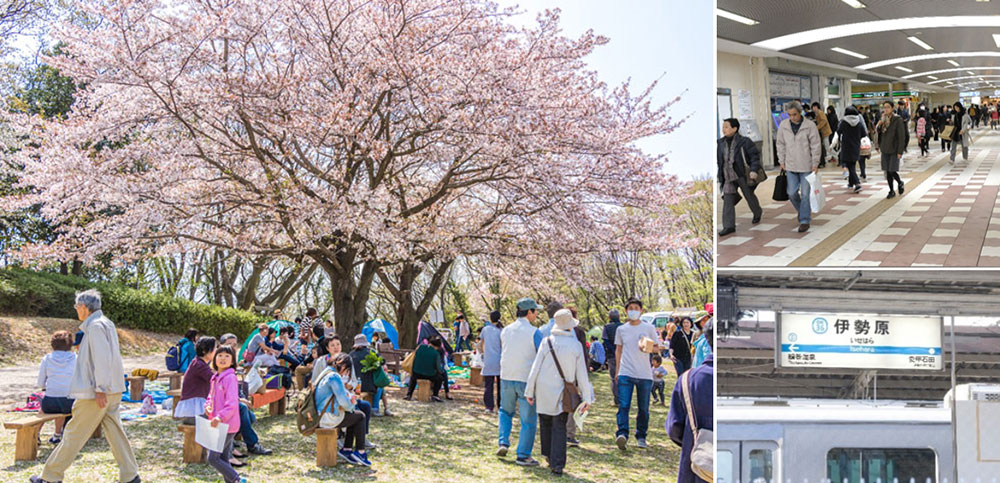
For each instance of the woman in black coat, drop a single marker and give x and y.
(851, 129)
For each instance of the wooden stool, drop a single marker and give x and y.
(301, 375)
(135, 386)
(175, 395)
(193, 452)
(457, 358)
(26, 442)
(326, 446)
(424, 390)
(277, 408)
(476, 376)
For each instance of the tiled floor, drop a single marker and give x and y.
(945, 220)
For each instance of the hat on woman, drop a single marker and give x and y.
(564, 319)
(360, 341)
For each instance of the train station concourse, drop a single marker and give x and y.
(923, 193)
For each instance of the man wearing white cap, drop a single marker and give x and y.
(559, 360)
(519, 343)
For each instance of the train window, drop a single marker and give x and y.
(761, 466)
(724, 466)
(855, 465)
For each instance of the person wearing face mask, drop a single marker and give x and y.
(634, 371)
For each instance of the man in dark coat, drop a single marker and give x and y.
(608, 338)
(892, 143)
(851, 130)
(734, 153)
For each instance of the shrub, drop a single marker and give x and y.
(44, 294)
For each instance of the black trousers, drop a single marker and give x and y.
(553, 430)
(852, 173)
(436, 382)
(945, 144)
(354, 434)
(489, 382)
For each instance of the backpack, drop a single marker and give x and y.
(307, 416)
(703, 449)
(173, 358)
(278, 377)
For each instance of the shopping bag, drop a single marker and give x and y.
(407, 363)
(212, 439)
(816, 196)
(780, 187)
(866, 146)
(253, 379)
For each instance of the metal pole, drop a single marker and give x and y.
(954, 410)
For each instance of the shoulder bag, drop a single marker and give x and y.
(570, 394)
(761, 174)
(703, 450)
(780, 187)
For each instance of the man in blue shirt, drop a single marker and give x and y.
(596, 354)
(702, 384)
(492, 348)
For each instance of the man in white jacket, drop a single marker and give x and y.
(519, 343)
(560, 359)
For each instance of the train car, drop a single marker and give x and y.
(835, 441)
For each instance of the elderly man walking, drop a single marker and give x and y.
(97, 386)
(798, 144)
(519, 343)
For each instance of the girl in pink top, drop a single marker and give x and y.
(222, 406)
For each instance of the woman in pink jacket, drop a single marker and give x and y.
(222, 406)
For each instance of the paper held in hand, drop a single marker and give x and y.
(212, 439)
(647, 345)
(578, 416)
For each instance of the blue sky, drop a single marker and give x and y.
(669, 40)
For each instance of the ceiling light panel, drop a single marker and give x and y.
(942, 71)
(952, 62)
(918, 58)
(904, 69)
(848, 30)
(921, 43)
(735, 17)
(953, 79)
(849, 52)
(854, 3)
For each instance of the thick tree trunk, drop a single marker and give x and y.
(77, 267)
(349, 290)
(409, 312)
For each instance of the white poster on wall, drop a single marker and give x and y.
(860, 341)
(744, 103)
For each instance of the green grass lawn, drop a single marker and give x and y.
(453, 441)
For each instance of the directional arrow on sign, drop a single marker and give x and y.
(793, 347)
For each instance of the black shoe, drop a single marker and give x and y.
(900, 187)
(756, 219)
(557, 472)
(803, 227)
(529, 461)
(237, 464)
(258, 449)
(436, 399)
(135, 480)
(857, 189)
(408, 397)
(892, 194)
(727, 231)
(572, 442)
(38, 479)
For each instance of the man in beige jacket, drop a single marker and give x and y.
(97, 385)
(798, 143)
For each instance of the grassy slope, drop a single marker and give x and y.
(454, 441)
(26, 339)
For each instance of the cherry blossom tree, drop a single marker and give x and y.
(377, 138)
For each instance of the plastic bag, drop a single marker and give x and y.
(816, 196)
(253, 379)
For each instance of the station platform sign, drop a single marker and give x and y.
(859, 341)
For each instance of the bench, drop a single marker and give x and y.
(136, 384)
(193, 452)
(424, 390)
(175, 395)
(326, 446)
(26, 441)
(176, 379)
(476, 376)
(274, 399)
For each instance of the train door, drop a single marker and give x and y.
(746, 462)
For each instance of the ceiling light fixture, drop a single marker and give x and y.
(948, 81)
(941, 71)
(996, 39)
(848, 30)
(919, 42)
(860, 81)
(735, 17)
(970, 72)
(854, 3)
(918, 58)
(931, 77)
(956, 64)
(904, 69)
(849, 52)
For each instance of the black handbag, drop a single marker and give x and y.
(780, 187)
(761, 174)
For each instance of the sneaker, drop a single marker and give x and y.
(38, 479)
(803, 227)
(407, 397)
(900, 187)
(572, 442)
(641, 442)
(362, 458)
(621, 440)
(857, 189)
(55, 439)
(243, 480)
(502, 451)
(349, 457)
(845, 174)
(529, 461)
(370, 445)
(892, 194)
(436, 399)
(258, 449)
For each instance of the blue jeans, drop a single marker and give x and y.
(798, 194)
(377, 398)
(643, 387)
(511, 396)
(463, 342)
(247, 418)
